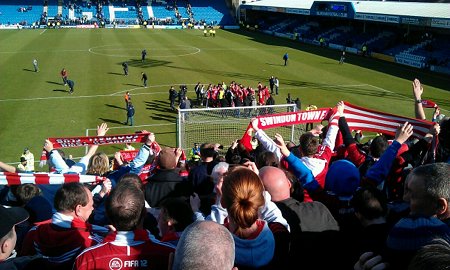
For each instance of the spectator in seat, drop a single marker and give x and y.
(11, 217)
(166, 182)
(63, 237)
(314, 231)
(242, 196)
(176, 214)
(130, 245)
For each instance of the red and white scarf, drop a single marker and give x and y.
(98, 140)
(358, 118)
(12, 179)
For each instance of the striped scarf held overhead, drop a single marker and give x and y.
(96, 140)
(359, 118)
(12, 179)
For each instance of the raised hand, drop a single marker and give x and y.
(340, 108)
(102, 129)
(255, 123)
(403, 132)
(417, 89)
(279, 142)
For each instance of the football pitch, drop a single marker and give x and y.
(36, 105)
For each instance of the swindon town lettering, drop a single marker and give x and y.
(300, 117)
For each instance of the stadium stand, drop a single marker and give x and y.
(390, 31)
(269, 203)
(21, 12)
(212, 12)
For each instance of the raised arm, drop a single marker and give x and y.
(417, 91)
(296, 166)
(265, 140)
(101, 131)
(7, 168)
(379, 171)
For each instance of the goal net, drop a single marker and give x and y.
(224, 125)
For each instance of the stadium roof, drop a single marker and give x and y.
(430, 10)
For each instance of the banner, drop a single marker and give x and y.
(358, 118)
(97, 140)
(293, 118)
(12, 179)
(94, 140)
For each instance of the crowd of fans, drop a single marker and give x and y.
(328, 202)
(233, 95)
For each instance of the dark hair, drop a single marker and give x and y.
(378, 146)
(308, 144)
(178, 211)
(267, 158)
(296, 190)
(370, 202)
(131, 179)
(443, 149)
(235, 159)
(24, 193)
(125, 207)
(435, 255)
(69, 196)
(207, 150)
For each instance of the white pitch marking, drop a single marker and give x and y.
(102, 47)
(42, 32)
(151, 93)
(407, 97)
(57, 51)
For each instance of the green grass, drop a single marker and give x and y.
(34, 106)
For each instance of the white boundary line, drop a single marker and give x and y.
(87, 50)
(57, 51)
(161, 85)
(43, 32)
(124, 127)
(407, 97)
(92, 50)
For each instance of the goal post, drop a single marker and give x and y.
(223, 125)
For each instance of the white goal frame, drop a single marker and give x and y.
(234, 121)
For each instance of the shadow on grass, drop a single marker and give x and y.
(146, 64)
(30, 70)
(166, 113)
(355, 90)
(116, 73)
(51, 82)
(130, 84)
(115, 107)
(112, 121)
(158, 105)
(272, 64)
(61, 90)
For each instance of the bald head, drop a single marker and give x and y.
(205, 245)
(275, 182)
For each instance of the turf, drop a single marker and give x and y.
(34, 106)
